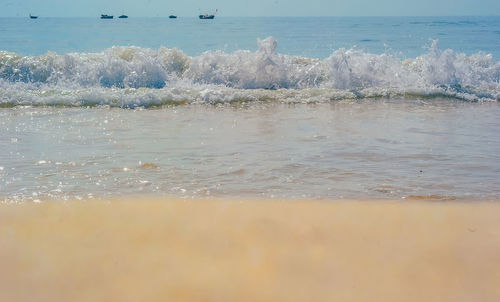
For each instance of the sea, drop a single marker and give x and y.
(324, 108)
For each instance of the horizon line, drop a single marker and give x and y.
(288, 16)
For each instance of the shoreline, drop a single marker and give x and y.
(167, 249)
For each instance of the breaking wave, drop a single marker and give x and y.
(132, 76)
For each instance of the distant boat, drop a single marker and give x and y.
(172, 17)
(207, 16)
(123, 17)
(33, 17)
(106, 17)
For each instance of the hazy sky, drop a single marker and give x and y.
(91, 8)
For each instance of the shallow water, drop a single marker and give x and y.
(250, 107)
(436, 148)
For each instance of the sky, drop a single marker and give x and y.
(162, 8)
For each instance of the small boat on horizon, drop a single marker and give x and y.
(208, 16)
(104, 16)
(172, 17)
(123, 17)
(33, 17)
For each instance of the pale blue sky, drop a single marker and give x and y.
(152, 8)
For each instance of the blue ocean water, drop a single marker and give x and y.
(315, 37)
(263, 107)
(91, 61)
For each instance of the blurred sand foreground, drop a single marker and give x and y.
(159, 250)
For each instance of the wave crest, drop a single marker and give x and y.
(119, 74)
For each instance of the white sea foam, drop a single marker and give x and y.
(134, 76)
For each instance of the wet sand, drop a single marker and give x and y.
(225, 250)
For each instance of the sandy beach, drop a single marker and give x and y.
(145, 249)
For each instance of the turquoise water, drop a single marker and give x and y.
(250, 107)
(316, 37)
(150, 62)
